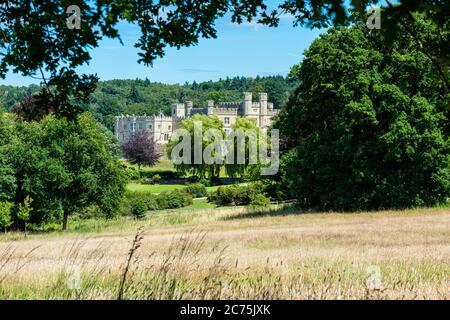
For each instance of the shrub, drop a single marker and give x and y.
(133, 174)
(173, 199)
(156, 178)
(235, 194)
(164, 174)
(138, 208)
(197, 190)
(165, 200)
(259, 200)
(205, 182)
(5, 214)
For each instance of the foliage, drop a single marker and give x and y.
(112, 97)
(43, 45)
(259, 200)
(64, 166)
(173, 200)
(165, 200)
(24, 210)
(164, 174)
(30, 109)
(279, 186)
(133, 174)
(8, 182)
(5, 214)
(369, 124)
(156, 178)
(138, 208)
(140, 149)
(205, 182)
(197, 190)
(203, 169)
(246, 126)
(236, 194)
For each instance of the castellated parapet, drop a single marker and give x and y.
(161, 127)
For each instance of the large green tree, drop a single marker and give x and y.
(196, 128)
(251, 133)
(7, 179)
(369, 123)
(65, 166)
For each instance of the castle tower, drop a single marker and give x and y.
(189, 106)
(178, 110)
(247, 103)
(210, 107)
(263, 103)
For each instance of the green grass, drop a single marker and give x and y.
(157, 188)
(163, 165)
(201, 204)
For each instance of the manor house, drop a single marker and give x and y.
(161, 127)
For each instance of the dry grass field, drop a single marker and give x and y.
(278, 253)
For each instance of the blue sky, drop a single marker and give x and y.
(239, 50)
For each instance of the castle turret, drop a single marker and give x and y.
(263, 103)
(178, 110)
(210, 106)
(247, 102)
(189, 106)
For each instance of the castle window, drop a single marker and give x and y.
(170, 127)
(124, 126)
(141, 126)
(166, 137)
(159, 126)
(227, 120)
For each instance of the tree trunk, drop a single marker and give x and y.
(65, 217)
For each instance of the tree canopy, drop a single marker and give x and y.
(64, 166)
(36, 41)
(369, 123)
(140, 149)
(197, 134)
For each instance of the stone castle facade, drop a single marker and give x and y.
(161, 127)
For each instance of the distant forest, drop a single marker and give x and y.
(115, 97)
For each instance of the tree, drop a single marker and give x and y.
(7, 178)
(196, 127)
(30, 109)
(140, 149)
(134, 95)
(368, 123)
(37, 41)
(65, 166)
(233, 167)
(24, 211)
(5, 214)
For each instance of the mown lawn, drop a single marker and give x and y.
(157, 188)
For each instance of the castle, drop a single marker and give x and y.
(161, 127)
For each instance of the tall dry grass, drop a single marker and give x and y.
(267, 256)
